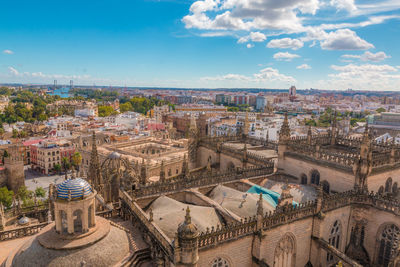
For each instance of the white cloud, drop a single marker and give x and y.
(13, 71)
(285, 43)
(304, 67)
(8, 52)
(348, 5)
(366, 77)
(344, 39)
(249, 45)
(253, 37)
(285, 56)
(264, 75)
(368, 56)
(249, 14)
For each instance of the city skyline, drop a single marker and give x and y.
(335, 44)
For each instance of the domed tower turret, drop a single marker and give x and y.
(74, 207)
(187, 242)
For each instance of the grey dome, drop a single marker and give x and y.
(114, 155)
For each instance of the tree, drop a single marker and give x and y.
(125, 107)
(76, 160)
(105, 111)
(6, 196)
(57, 168)
(66, 164)
(40, 192)
(24, 193)
(380, 110)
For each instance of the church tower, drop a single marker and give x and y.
(94, 173)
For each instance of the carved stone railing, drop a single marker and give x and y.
(181, 183)
(355, 197)
(288, 214)
(22, 231)
(231, 231)
(129, 207)
(248, 226)
(31, 210)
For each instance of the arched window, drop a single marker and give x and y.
(388, 244)
(381, 189)
(285, 252)
(90, 216)
(315, 177)
(334, 239)
(64, 222)
(220, 262)
(77, 216)
(326, 187)
(231, 166)
(395, 189)
(303, 179)
(388, 185)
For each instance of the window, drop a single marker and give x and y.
(388, 185)
(285, 252)
(315, 176)
(334, 239)
(220, 262)
(303, 179)
(388, 244)
(326, 187)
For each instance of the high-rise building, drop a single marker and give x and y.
(292, 91)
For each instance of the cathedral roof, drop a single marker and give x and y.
(114, 155)
(76, 188)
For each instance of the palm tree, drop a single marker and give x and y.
(76, 160)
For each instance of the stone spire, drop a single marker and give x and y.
(187, 238)
(162, 171)
(363, 166)
(393, 152)
(94, 173)
(209, 169)
(309, 136)
(185, 166)
(143, 172)
(333, 129)
(246, 125)
(260, 209)
(284, 134)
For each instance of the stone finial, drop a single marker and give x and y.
(260, 209)
(188, 219)
(284, 134)
(162, 171)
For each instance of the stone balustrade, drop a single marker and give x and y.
(22, 231)
(181, 183)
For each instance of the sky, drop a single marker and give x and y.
(324, 44)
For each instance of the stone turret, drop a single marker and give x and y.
(260, 212)
(94, 174)
(187, 243)
(309, 136)
(244, 157)
(363, 167)
(143, 172)
(162, 171)
(246, 126)
(185, 166)
(393, 152)
(193, 143)
(333, 130)
(14, 167)
(284, 138)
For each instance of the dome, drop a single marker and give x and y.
(114, 155)
(78, 187)
(24, 221)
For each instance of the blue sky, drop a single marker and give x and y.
(327, 44)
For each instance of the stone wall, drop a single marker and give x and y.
(338, 180)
